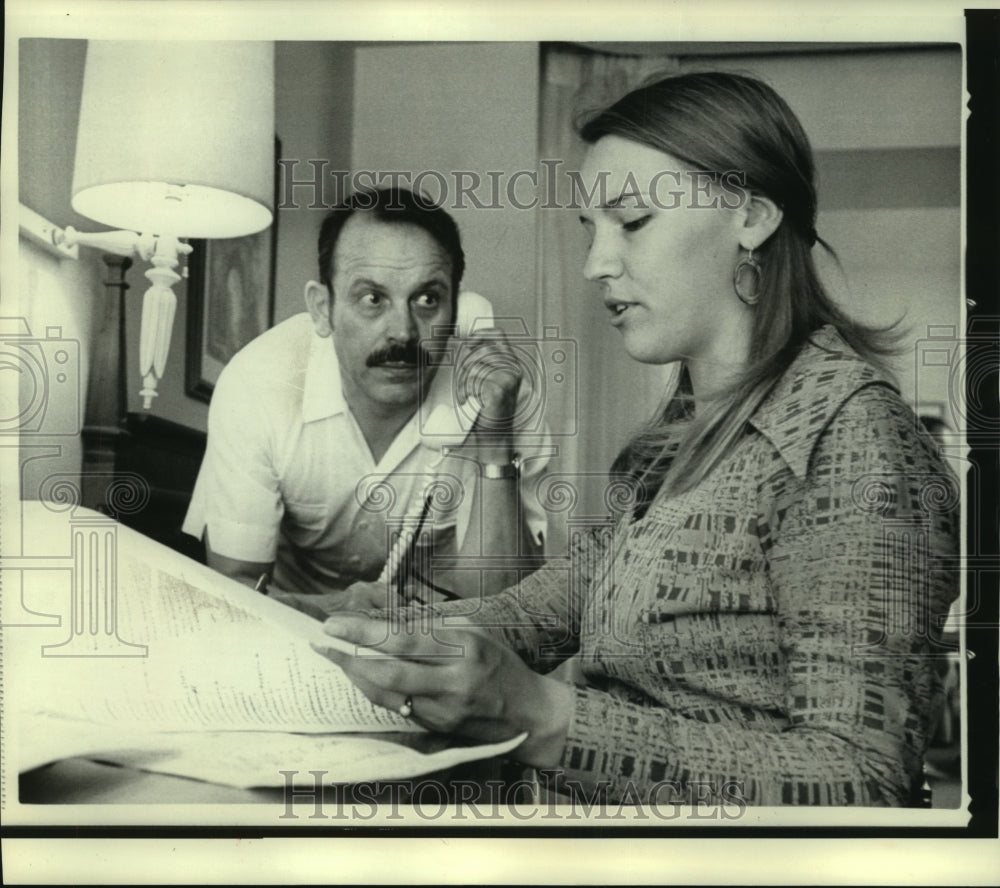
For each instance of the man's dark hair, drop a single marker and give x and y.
(396, 206)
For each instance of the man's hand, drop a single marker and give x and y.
(357, 597)
(492, 372)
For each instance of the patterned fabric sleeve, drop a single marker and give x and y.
(853, 554)
(539, 618)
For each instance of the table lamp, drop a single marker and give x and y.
(175, 140)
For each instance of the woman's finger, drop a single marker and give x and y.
(424, 711)
(405, 677)
(389, 682)
(418, 664)
(413, 636)
(386, 697)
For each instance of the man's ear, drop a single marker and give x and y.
(318, 301)
(761, 218)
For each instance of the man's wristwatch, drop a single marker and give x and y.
(500, 471)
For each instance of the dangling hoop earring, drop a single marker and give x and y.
(739, 284)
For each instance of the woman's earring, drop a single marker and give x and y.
(747, 267)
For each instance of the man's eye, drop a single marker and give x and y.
(371, 298)
(428, 300)
(635, 224)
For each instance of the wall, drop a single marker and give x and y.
(50, 78)
(314, 97)
(886, 130)
(56, 302)
(54, 297)
(450, 107)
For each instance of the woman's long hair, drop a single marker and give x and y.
(721, 122)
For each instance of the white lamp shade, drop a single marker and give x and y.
(177, 137)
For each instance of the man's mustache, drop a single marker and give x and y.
(399, 353)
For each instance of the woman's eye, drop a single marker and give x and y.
(635, 224)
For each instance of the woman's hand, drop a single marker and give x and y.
(459, 680)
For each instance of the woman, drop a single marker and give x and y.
(757, 625)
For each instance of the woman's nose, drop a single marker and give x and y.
(603, 260)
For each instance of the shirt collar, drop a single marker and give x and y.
(821, 378)
(322, 395)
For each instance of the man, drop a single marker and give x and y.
(314, 433)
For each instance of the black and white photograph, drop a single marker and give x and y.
(445, 444)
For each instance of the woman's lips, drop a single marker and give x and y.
(619, 309)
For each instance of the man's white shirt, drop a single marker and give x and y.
(288, 476)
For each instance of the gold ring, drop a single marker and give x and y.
(406, 710)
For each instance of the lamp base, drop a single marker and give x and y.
(148, 391)
(159, 304)
(158, 308)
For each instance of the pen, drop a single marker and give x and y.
(262, 584)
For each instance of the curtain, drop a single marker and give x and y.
(613, 394)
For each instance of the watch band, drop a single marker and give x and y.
(500, 471)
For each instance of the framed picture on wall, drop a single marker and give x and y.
(230, 301)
